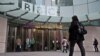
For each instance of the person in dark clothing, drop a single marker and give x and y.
(75, 36)
(95, 43)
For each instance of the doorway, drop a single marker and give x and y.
(44, 39)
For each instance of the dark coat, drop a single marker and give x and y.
(74, 33)
(95, 42)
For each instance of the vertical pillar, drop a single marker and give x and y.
(29, 33)
(61, 35)
(42, 40)
(54, 40)
(49, 40)
(3, 34)
(15, 36)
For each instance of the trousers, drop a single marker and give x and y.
(80, 45)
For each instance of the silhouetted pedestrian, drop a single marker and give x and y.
(76, 35)
(95, 43)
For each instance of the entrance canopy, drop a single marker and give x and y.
(23, 11)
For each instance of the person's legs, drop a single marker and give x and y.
(72, 44)
(80, 44)
(96, 47)
(63, 49)
(66, 49)
(32, 47)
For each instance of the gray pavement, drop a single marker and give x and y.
(47, 53)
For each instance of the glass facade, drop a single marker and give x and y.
(46, 37)
(39, 2)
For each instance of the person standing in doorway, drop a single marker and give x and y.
(28, 43)
(18, 45)
(32, 43)
(75, 36)
(95, 43)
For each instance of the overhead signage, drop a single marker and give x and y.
(27, 6)
(40, 9)
(52, 10)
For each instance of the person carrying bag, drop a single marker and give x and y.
(81, 29)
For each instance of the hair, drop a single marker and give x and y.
(75, 18)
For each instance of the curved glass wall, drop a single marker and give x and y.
(46, 8)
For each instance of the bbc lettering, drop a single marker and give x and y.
(27, 6)
(40, 9)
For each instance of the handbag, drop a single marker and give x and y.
(82, 30)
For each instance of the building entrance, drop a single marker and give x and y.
(42, 39)
(48, 39)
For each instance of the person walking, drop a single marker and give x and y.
(95, 43)
(76, 35)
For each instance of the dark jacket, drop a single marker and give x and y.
(95, 42)
(74, 32)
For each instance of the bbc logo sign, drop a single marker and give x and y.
(27, 6)
(40, 9)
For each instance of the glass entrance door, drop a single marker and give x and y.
(46, 40)
(11, 39)
(56, 40)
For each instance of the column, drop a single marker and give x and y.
(3, 34)
(61, 35)
(42, 40)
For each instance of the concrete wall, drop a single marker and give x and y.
(3, 31)
(93, 32)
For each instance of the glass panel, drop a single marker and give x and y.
(92, 0)
(48, 2)
(39, 2)
(78, 2)
(11, 39)
(66, 11)
(38, 40)
(80, 10)
(66, 2)
(54, 2)
(94, 7)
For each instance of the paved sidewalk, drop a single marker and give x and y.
(47, 53)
